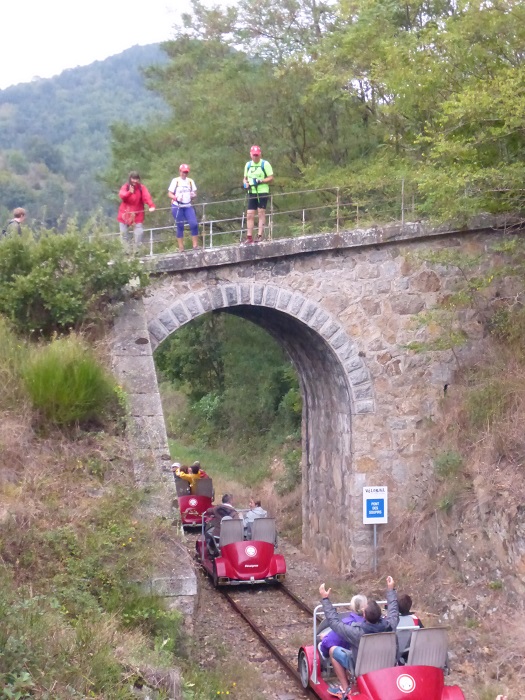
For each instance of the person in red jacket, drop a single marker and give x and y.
(134, 196)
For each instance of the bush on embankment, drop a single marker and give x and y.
(62, 282)
(67, 385)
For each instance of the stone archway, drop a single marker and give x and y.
(335, 384)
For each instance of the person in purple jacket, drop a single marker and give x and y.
(332, 639)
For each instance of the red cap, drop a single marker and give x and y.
(184, 168)
(255, 151)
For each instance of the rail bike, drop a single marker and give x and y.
(193, 505)
(240, 556)
(376, 675)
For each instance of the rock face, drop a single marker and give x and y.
(343, 309)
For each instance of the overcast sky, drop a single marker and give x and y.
(41, 39)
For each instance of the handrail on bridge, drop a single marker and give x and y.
(289, 214)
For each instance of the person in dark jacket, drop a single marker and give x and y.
(344, 659)
(15, 224)
(213, 529)
(407, 618)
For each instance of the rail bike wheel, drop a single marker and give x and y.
(302, 667)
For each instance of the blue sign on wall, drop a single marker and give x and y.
(375, 504)
(375, 507)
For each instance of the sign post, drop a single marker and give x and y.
(375, 510)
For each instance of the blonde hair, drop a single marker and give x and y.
(359, 603)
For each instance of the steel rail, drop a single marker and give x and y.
(290, 670)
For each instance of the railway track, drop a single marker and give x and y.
(267, 615)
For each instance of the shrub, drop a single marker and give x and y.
(67, 385)
(487, 403)
(60, 282)
(292, 472)
(448, 464)
(12, 354)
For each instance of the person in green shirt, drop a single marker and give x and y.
(258, 174)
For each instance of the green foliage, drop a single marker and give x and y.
(496, 585)
(448, 464)
(487, 403)
(39, 645)
(240, 386)
(61, 282)
(292, 472)
(13, 353)
(447, 501)
(67, 385)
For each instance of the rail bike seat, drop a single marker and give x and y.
(429, 647)
(232, 530)
(204, 487)
(375, 651)
(264, 530)
(182, 487)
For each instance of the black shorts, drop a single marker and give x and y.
(257, 201)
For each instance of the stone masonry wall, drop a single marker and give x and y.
(344, 314)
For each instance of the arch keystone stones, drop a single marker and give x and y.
(272, 297)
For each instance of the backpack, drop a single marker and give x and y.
(261, 165)
(13, 221)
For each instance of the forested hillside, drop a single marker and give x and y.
(55, 133)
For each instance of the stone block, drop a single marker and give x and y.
(180, 584)
(258, 292)
(132, 344)
(296, 304)
(217, 299)
(404, 304)
(358, 376)
(270, 298)
(205, 301)
(231, 294)
(131, 317)
(284, 299)
(307, 312)
(364, 406)
(157, 330)
(145, 404)
(137, 374)
(168, 321)
(149, 433)
(245, 293)
(329, 330)
(192, 304)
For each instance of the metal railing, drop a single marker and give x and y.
(288, 215)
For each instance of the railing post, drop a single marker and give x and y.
(270, 223)
(203, 222)
(211, 234)
(151, 242)
(403, 202)
(338, 204)
(303, 221)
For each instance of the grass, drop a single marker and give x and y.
(66, 383)
(220, 463)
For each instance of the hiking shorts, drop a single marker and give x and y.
(344, 656)
(257, 201)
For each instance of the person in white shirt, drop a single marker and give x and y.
(182, 191)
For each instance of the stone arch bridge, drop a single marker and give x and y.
(342, 306)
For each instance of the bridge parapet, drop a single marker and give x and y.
(316, 243)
